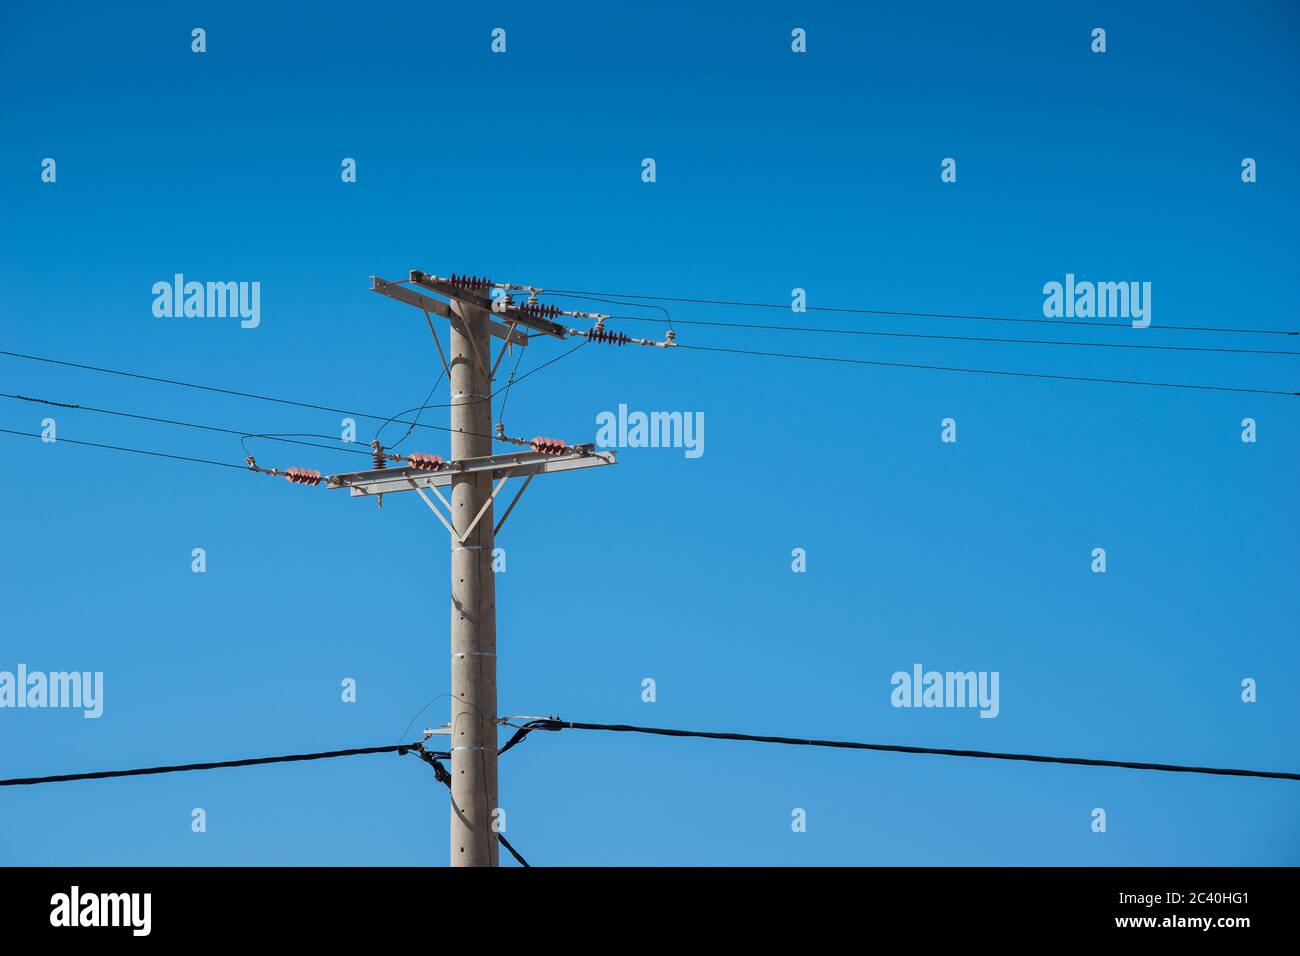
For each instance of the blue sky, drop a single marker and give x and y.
(774, 171)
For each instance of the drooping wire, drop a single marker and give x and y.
(418, 412)
(986, 371)
(505, 400)
(216, 765)
(967, 338)
(442, 775)
(214, 388)
(287, 437)
(557, 724)
(136, 451)
(595, 298)
(914, 315)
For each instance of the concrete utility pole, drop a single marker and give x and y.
(475, 320)
(473, 598)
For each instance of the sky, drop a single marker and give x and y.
(774, 171)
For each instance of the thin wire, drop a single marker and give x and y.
(137, 451)
(596, 298)
(540, 367)
(213, 388)
(501, 415)
(185, 768)
(968, 338)
(287, 437)
(419, 412)
(555, 724)
(914, 315)
(284, 401)
(986, 371)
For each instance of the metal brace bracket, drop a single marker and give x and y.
(462, 538)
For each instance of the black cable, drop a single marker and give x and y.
(986, 371)
(595, 298)
(556, 724)
(914, 315)
(966, 338)
(540, 367)
(287, 437)
(137, 451)
(524, 731)
(286, 401)
(513, 852)
(444, 777)
(185, 768)
(418, 412)
(501, 415)
(217, 389)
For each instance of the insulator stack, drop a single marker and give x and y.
(426, 462)
(606, 337)
(548, 446)
(476, 283)
(377, 456)
(540, 310)
(303, 476)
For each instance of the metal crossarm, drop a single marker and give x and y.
(401, 293)
(545, 326)
(387, 481)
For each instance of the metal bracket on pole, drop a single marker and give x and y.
(457, 317)
(519, 464)
(395, 290)
(434, 508)
(483, 510)
(502, 354)
(463, 537)
(436, 341)
(513, 501)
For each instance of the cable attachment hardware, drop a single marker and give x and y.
(424, 462)
(548, 446)
(253, 466)
(439, 771)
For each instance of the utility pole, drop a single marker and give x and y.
(473, 598)
(475, 320)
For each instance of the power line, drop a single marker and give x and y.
(986, 371)
(286, 437)
(914, 315)
(444, 777)
(967, 338)
(218, 765)
(387, 419)
(556, 724)
(217, 389)
(136, 451)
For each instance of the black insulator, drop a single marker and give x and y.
(608, 338)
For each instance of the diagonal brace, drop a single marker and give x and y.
(434, 508)
(513, 501)
(436, 341)
(483, 510)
